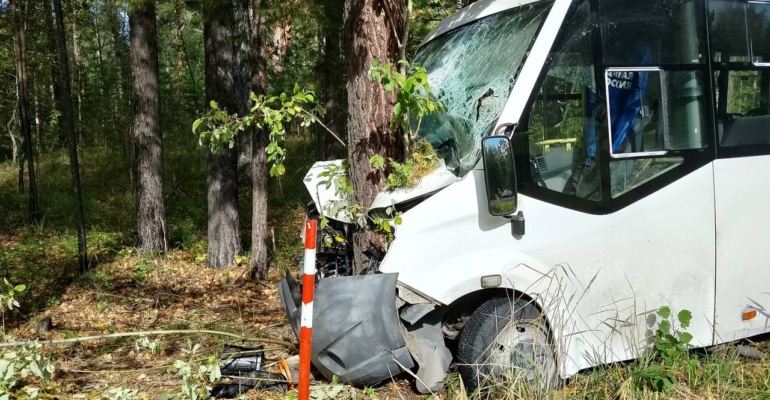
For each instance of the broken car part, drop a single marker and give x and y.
(245, 367)
(356, 332)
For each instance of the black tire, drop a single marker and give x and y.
(483, 357)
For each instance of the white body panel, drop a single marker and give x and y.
(594, 275)
(324, 195)
(698, 243)
(743, 252)
(321, 191)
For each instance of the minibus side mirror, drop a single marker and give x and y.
(500, 175)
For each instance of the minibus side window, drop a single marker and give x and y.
(740, 37)
(669, 29)
(654, 53)
(566, 116)
(759, 31)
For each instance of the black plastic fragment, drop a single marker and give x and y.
(244, 365)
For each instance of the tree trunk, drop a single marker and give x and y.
(259, 171)
(242, 75)
(282, 32)
(67, 120)
(9, 126)
(148, 139)
(179, 63)
(20, 46)
(99, 131)
(370, 107)
(223, 234)
(332, 81)
(78, 58)
(56, 89)
(117, 98)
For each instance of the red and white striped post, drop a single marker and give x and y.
(306, 320)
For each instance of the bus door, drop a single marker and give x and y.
(740, 55)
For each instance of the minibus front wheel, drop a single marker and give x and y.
(506, 340)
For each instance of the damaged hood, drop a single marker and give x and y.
(325, 196)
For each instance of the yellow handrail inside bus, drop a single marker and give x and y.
(548, 143)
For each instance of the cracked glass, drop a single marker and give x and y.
(472, 70)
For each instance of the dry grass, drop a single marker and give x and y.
(424, 159)
(137, 294)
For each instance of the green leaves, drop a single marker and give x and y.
(218, 129)
(670, 346)
(197, 125)
(684, 317)
(413, 94)
(8, 295)
(377, 161)
(19, 363)
(277, 170)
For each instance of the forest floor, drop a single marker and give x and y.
(126, 292)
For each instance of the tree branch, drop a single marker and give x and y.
(151, 333)
(405, 39)
(325, 127)
(392, 24)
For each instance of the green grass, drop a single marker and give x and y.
(716, 374)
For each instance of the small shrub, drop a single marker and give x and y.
(18, 364)
(668, 352)
(195, 373)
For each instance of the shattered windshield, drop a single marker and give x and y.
(471, 70)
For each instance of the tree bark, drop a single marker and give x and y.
(242, 75)
(20, 46)
(281, 41)
(259, 171)
(370, 107)
(9, 126)
(332, 81)
(67, 120)
(78, 59)
(56, 89)
(223, 230)
(147, 135)
(179, 63)
(118, 90)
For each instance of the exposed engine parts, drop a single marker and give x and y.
(334, 253)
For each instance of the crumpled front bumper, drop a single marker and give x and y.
(356, 330)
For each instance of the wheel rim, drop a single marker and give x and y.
(521, 349)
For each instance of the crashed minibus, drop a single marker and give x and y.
(601, 159)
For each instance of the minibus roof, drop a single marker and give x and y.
(473, 12)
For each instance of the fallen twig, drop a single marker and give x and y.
(154, 333)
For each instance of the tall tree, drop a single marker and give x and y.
(373, 29)
(332, 81)
(78, 58)
(223, 231)
(242, 74)
(20, 46)
(56, 89)
(119, 46)
(259, 170)
(67, 120)
(148, 139)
